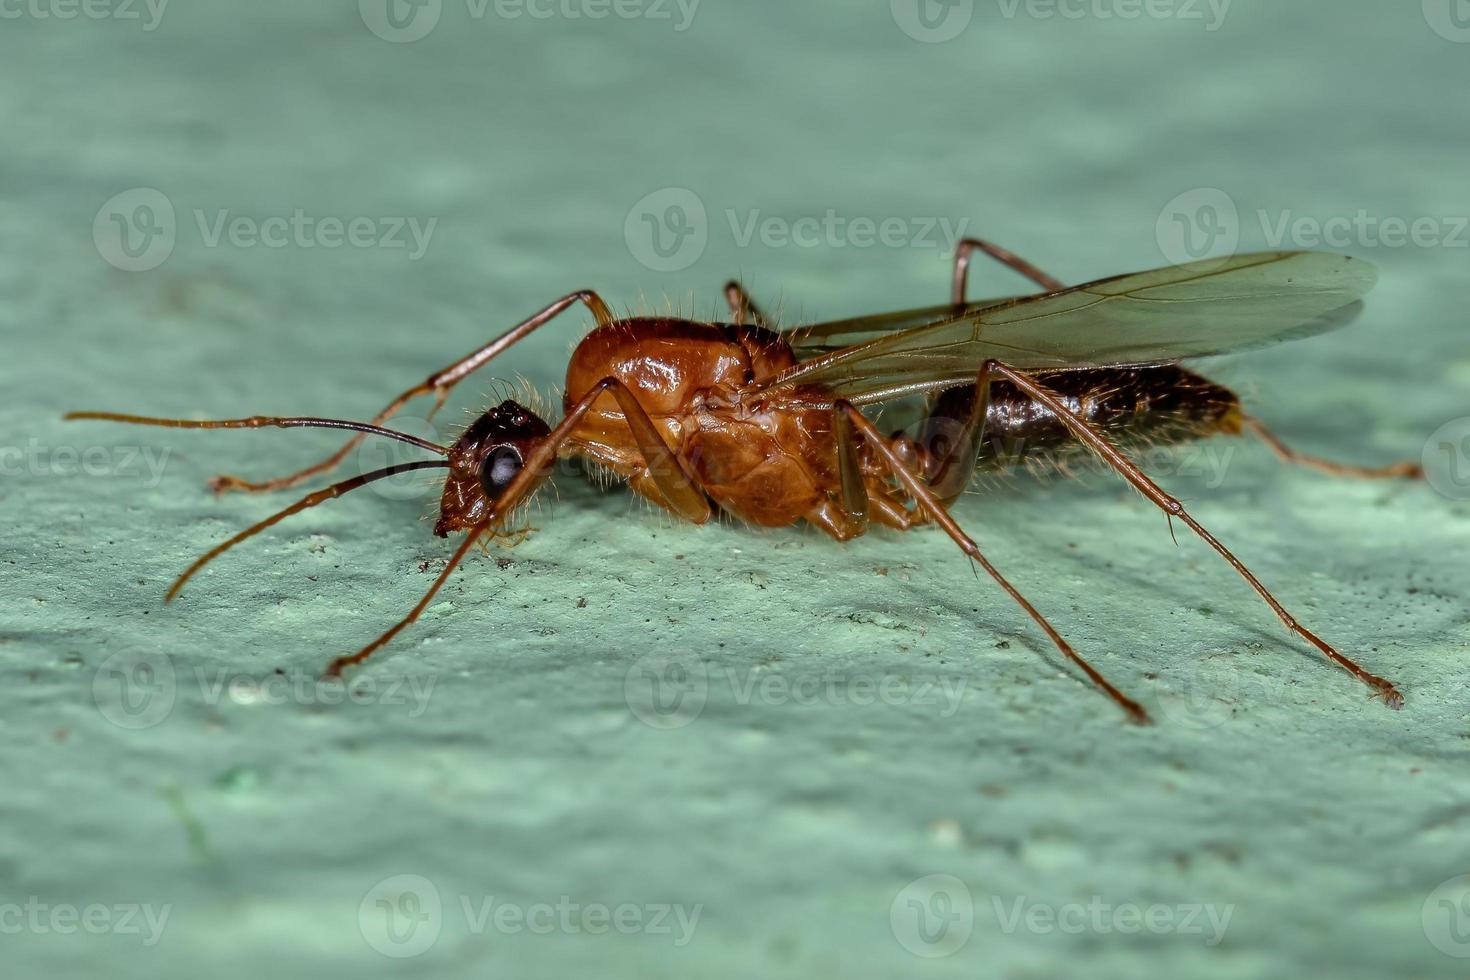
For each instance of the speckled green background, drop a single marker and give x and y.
(623, 720)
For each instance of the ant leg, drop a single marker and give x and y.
(742, 307)
(962, 267)
(846, 517)
(439, 384)
(964, 406)
(664, 467)
(854, 493)
(1408, 468)
(941, 516)
(953, 431)
(334, 669)
(950, 436)
(1091, 437)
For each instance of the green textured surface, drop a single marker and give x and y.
(498, 753)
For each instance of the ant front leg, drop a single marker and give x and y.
(662, 464)
(662, 467)
(742, 308)
(439, 384)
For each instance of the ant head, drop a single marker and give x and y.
(483, 462)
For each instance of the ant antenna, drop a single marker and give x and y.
(262, 421)
(310, 500)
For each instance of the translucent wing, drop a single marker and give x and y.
(821, 338)
(1208, 307)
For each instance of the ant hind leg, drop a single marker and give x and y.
(935, 509)
(1407, 469)
(1095, 440)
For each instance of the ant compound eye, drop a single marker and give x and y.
(499, 468)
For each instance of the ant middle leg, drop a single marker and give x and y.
(950, 437)
(961, 410)
(1008, 258)
(439, 384)
(845, 516)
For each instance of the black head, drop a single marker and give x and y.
(483, 462)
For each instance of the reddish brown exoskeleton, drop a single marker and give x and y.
(766, 425)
